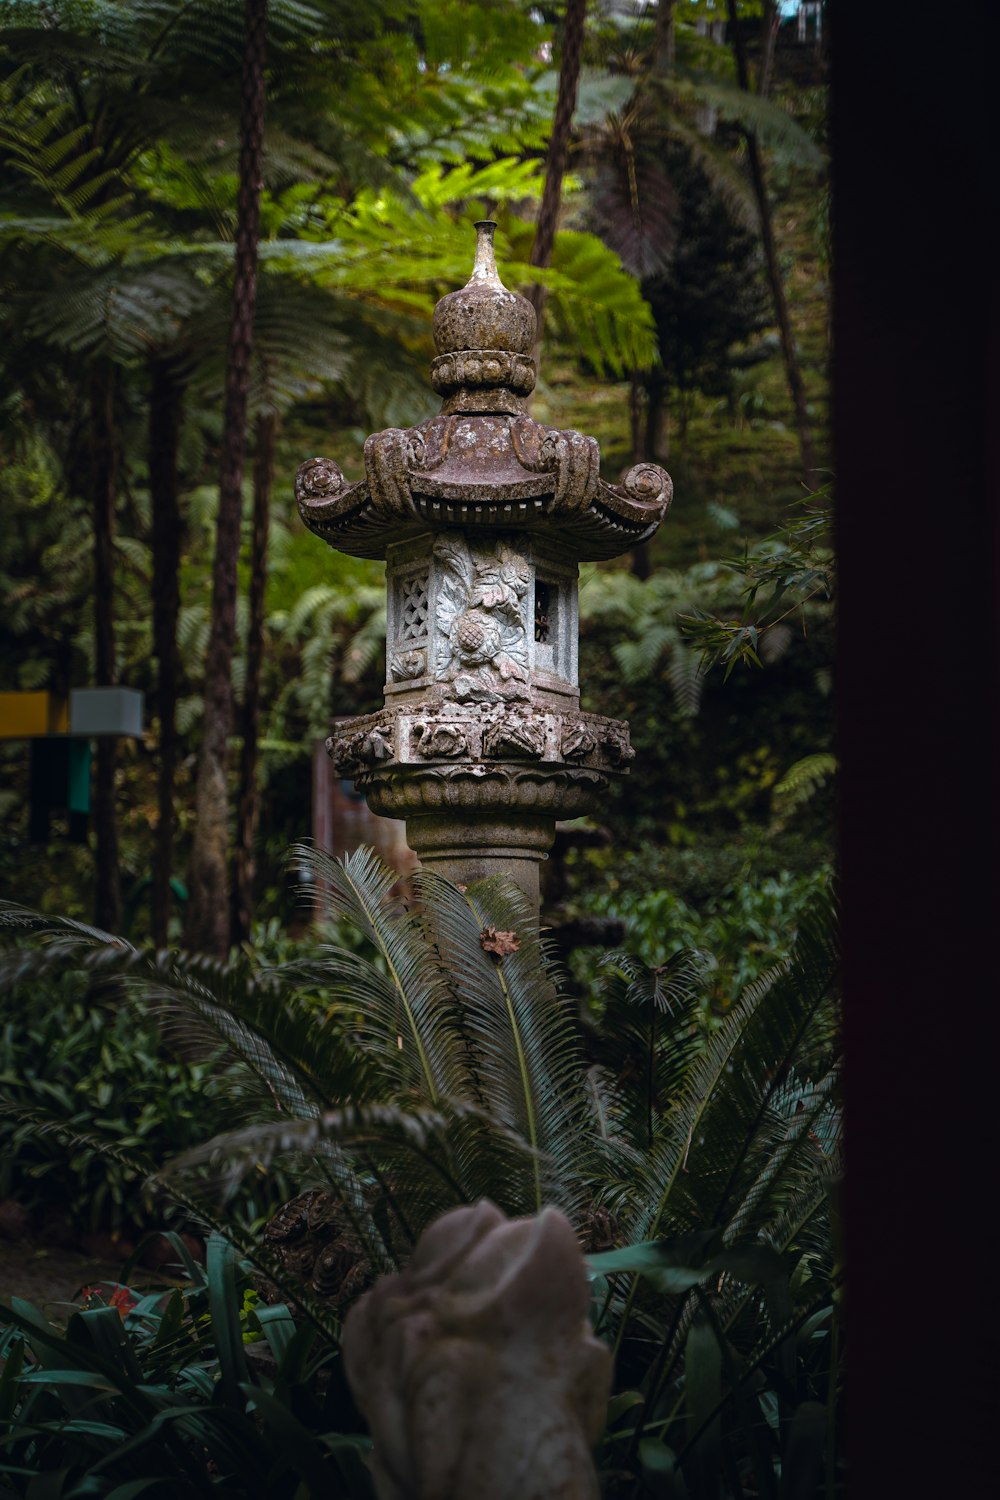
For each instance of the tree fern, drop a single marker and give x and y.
(651, 613)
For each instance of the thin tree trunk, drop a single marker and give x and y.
(770, 20)
(165, 406)
(792, 370)
(663, 42)
(657, 443)
(555, 165)
(207, 925)
(249, 799)
(645, 433)
(636, 414)
(107, 882)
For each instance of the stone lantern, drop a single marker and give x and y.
(482, 515)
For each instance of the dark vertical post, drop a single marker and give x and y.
(107, 882)
(916, 397)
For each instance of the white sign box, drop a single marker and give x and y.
(105, 710)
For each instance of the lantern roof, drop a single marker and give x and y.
(483, 461)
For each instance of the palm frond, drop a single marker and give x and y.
(524, 1054)
(772, 124)
(402, 1015)
(713, 1128)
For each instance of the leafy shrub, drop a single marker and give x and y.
(739, 930)
(160, 1393)
(447, 1067)
(102, 1070)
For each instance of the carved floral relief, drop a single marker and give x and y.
(445, 740)
(514, 735)
(577, 740)
(481, 618)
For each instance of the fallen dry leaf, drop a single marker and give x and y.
(498, 943)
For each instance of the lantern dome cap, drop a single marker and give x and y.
(484, 315)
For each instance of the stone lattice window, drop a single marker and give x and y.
(545, 611)
(413, 613)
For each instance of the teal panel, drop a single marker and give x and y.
(78, 777)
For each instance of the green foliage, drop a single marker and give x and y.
(751, 1130)
(789, 575)
(800, 783)
(711, 746)
(467, 1061)
(101, 1070)
(737, 933)
(648, 614)
(416, 1070)
(709, 301)
(156, 1393)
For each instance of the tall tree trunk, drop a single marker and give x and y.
(165, 406)
(555, 165)
(107, 894)
(207, 924)
(792, 370)
(770, 20)
(249, 798)
(663, 41)
(657, 444)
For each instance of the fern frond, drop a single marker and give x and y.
(773, 125)
(800, 783)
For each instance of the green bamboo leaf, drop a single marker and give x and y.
(703, 1394)
(9, 1376)
(802, 1456)
(279, 1328)
(224, 1303)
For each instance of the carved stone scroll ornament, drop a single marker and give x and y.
(389, 456)
(476, 1367)
(351, 753)
(573, 458)
(318, 479)
(405, 665)
(645, 490)
(343, 751)
(375, 746)
(577, 740)
(617, 746)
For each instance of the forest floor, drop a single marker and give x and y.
(52, 1277)
(49, 1271)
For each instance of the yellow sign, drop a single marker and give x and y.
(25, 716)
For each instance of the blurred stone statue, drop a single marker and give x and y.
(476, 1367)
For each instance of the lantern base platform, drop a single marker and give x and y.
(471, 821)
